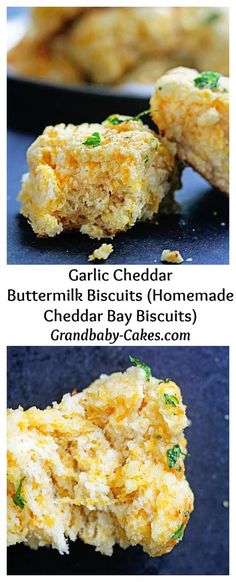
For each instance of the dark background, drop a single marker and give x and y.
(199, 231)
(39, 375)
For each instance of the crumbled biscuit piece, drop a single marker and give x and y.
(171, 256)
(105, 465)
(102, 253)
(96, 178)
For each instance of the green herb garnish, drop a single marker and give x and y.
(93, 140)
(142, 114)
(178, 534)
(114, 120)
(173, 455)
(17, 498)
(146, 160)
(144, 367)
(178, 468)
(207, 79)
(171, 399)
(212, 17)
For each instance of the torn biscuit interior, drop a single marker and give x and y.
(97, 178)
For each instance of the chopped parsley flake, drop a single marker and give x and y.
(171, 399)
(93, 140)
(173, 455)
(178, 534)
(17, 498)
(142, 114)
(146, 368)
(208, 79)
(114, 120)
(146, 159)
(212, 17)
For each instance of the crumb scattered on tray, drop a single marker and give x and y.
(225, 504)
(102, 253)
(169, 256)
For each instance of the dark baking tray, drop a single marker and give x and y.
(199, 231)
(39, 375)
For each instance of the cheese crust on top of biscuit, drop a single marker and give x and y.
(105, 465)
(97, 178)
(191, 109)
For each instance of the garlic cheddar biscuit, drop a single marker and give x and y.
(205, 37)
(46, 61)
(97, 178)
(191, 109)
(149, 70)
(47, 20)
(106, 44)
(105, 465)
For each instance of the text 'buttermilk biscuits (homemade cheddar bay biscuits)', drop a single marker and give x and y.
(97, 178)
(191, 109)
(105, 465)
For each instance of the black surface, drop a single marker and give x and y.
(34, 104)
(37, 376)
(199, 231)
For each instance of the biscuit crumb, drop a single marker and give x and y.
(102, 253)
(169, 256)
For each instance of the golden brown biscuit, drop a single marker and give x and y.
(45, 21)
(191, 109)
(105, 465)
(97, 178)
(107, 44)
(205, 37)
(47, 61)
